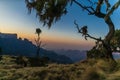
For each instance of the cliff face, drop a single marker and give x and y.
(8, 35)
(19, 47)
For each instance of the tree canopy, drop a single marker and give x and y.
(38, 31)
(48, 11)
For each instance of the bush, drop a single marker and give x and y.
(34, 62)
(97, 54)
(21, 60)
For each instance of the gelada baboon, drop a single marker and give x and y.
(84, 30)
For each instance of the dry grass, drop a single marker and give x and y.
(90, 70)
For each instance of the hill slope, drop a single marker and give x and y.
(19, 47)
(85, 70)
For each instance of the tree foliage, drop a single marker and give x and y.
(38, 31)
(48, 11)
(115, 42)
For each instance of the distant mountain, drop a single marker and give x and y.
(55, 57)
(75, 55)
(17, 47)
(12, 46)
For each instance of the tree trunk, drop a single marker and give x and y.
(106, 41)
(108, 38)
(111, 29)
(38, 52)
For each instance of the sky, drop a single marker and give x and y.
(14, 18)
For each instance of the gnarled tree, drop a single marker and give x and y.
(50, 11)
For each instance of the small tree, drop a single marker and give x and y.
(38, 41)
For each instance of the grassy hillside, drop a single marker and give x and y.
(85, 70)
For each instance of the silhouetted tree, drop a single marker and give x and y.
(50, 11)
(38, 31)
(38, 41)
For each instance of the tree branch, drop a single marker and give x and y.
(115, 6)
(87, 35)
(90, 9)
(99, 4)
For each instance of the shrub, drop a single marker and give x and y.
(37, 62)
(96, 53)
(21, 60)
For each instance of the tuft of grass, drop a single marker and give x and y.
(92, 73)
(106, 66)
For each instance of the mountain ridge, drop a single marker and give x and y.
(11, 45)
(75, 55)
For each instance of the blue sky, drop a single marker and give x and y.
(14, 18)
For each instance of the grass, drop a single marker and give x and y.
(90, 70)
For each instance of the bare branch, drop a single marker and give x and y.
(108, 4)
(91, 2)
(90, 9)
(86, 35)
(79, 31)
(99, 4)
(115, 6)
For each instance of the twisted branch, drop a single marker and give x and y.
(89, 9)
(86, 35)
